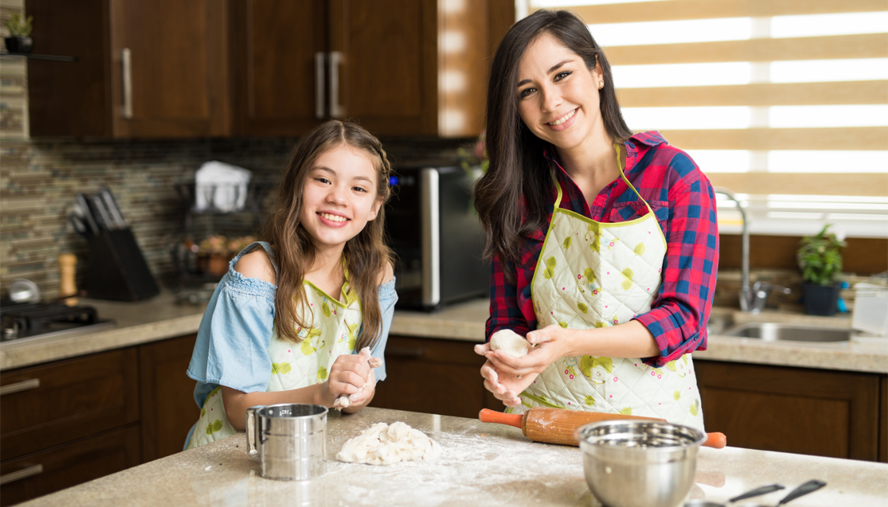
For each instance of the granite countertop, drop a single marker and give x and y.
(481, 465)
(466, 322)
(161, 318)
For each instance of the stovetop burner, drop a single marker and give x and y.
(26, 320)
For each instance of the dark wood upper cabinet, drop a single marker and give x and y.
(212, 68)
(275, 43)
(400, 67)
(145, 68)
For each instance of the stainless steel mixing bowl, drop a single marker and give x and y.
(639, 463)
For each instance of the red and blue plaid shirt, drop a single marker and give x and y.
(682, 198)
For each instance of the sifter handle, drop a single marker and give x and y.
(492, 416)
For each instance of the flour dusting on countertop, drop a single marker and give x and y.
(469, 468)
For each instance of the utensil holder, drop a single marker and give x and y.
(117, 269)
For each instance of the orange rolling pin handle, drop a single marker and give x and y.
(716, 440)
(492, 416)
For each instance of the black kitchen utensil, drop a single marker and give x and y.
(87, 213)
(80, 226)
(113, 209)
(808, 487)
(102, 215)
(749, 494)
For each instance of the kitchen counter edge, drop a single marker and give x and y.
(161, 318)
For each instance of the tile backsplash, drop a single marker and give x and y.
(40, 179)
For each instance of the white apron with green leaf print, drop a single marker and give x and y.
(592, 275)
(295, 365)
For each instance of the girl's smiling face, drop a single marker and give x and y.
(339, 197)
(558, 95)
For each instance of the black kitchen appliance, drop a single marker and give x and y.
(29, 320)
(434, 231)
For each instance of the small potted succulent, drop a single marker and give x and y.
(19, 31)
(820, 259)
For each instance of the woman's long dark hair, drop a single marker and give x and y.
(367, 254)
(511, 197)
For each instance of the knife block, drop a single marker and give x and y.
(117, 269)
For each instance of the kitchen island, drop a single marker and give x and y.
(134, 403)
(481, 465)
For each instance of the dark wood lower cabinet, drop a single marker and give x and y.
(797, 410)
(433, 376)
(75, 420)
(67, 465)
(883, 421)
(167, 394)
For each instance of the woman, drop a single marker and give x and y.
(604, 244)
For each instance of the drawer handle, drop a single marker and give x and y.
(126, 66)
(411, 352)
(24, 385)
(21, 474)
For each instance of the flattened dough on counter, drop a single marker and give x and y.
(382, 444)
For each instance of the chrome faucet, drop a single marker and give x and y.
(760, 292)
(746, 293)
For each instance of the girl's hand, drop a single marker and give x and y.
(349, 373)
(358, 400)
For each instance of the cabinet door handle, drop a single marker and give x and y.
(335, 106)
(319, 85)
(24, 385)
(406, 352)
(21, 474)
(127, 80)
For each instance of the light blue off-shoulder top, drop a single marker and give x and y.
(232, 342)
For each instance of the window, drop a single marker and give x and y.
(785, 103)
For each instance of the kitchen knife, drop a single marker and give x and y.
(113, 209)
(101, 213)
(87, 214)
(557, 426)
(79, 225)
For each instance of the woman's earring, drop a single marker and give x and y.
(601, 84)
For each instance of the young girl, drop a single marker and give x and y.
(285, 321)
(604, 242)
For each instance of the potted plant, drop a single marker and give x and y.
(820, 259)
(19, 30)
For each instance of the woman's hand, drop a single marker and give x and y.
(506, 376)
(549, 344)
(504, 387)
(348, 374)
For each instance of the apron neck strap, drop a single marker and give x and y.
(623, 175)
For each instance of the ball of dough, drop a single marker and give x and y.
(509, 342)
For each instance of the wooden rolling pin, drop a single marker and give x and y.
(557, 426)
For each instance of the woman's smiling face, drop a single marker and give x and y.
(557, 94)
(339, 197)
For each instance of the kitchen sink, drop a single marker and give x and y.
(770, 331)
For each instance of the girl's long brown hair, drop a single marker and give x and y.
(367, 254)
(511, 198)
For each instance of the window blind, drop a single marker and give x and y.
(783, 102)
